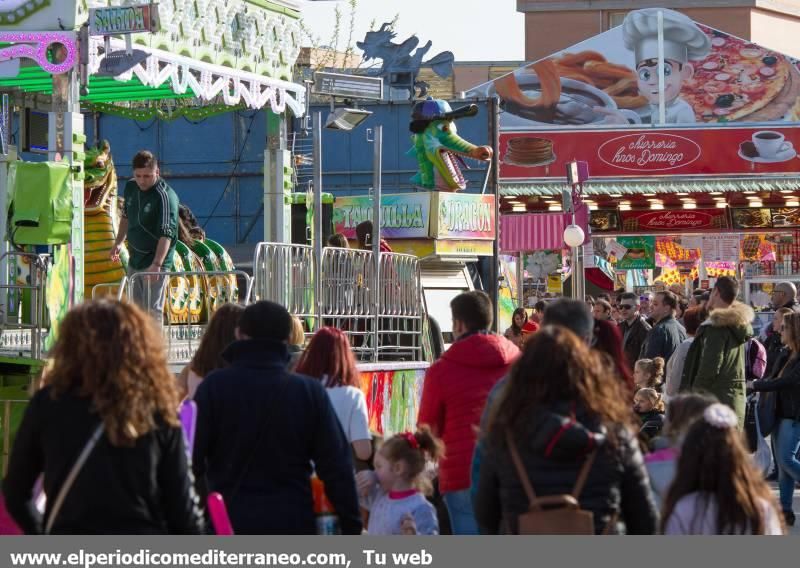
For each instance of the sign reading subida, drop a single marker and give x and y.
(123, 20)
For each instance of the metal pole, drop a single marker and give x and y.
(494, 272)
(317, 241)
(575, 291)
(377, 167)
(662, 108)
(521, 280)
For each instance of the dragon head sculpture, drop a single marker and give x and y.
(438, 147)
(100, 181)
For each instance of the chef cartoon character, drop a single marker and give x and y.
(684, 41)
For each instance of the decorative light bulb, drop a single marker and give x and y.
(574, 236)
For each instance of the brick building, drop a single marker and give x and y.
(772, 23)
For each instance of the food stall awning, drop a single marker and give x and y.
(655, 186)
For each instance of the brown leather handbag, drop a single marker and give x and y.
(553, 514)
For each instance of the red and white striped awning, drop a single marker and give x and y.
(526, 232)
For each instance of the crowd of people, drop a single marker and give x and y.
(623, 415)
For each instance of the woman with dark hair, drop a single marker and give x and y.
(558, 410)
(787, 430)
(518, 321)
(717, 489)
(608, 341)
(338, 240)
(111, 396)
(208, 357)
(330, 359)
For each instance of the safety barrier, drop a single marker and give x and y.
(284, 274)
(23, 321)
(400, 308)
(181, 339)
(382, 316)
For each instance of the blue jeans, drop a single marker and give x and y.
(459, 509)
(787, 444)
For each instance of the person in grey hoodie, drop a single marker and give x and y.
(667, 333)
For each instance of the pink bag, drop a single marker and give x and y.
(7, 524)
(219, 515)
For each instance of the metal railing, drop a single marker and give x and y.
(383, 319)
(400, 308)
(284, 274)
(181, 338)
(22, 330)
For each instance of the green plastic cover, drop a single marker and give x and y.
(300, 198)
(41, 203)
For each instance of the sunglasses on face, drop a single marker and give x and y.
(625, 307)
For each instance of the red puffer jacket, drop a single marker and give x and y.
(454, 395)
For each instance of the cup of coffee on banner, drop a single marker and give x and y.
(769, 143)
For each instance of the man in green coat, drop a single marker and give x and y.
(716, 359)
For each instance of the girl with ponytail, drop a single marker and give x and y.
(394, 493)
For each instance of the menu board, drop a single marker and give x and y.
(718, 248)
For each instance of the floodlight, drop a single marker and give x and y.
(346, 118)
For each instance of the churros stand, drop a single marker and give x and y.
(691, 142)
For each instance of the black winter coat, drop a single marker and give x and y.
(144, 489)
(633, 337)
(773, 346)
(274, 491)
(553, 448)
(787, 385)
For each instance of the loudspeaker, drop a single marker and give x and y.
(300, 229)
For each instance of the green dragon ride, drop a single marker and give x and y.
(438, 147)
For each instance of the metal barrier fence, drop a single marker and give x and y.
(400, 308)
(382, 317)
(22, 330)
(347, 296)
(284, 274)
(182, 338)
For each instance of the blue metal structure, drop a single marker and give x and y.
(216, 164)
(347, 156)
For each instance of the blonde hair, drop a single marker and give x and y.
(654, 397)
(654, 369)
(297, 336)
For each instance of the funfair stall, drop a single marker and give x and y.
(59, 58)
(690, 141)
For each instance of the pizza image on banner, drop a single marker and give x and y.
(641, 253)
(710, 76)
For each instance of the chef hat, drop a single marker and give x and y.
(683, 40)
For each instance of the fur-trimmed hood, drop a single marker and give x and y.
(737, 317)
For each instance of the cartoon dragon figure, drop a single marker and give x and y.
(100, 219)
(400, 66)
(438, 147)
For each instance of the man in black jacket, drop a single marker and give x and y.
(634, 327)
(259, 429)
